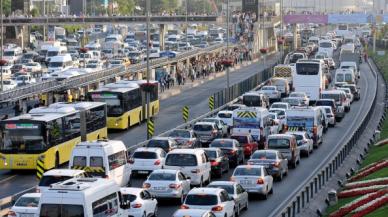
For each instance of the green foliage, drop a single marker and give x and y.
(34, 12)
(125, 7)
(6, 7)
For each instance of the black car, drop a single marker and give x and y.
(219, 162)
(230, 148)
(165, 143)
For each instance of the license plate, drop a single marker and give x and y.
(245, 182)
(142, 172)
(159, 188)
(26, 215)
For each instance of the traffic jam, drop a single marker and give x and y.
(260, 139)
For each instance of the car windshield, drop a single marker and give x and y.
(227, 188)
(61, 210)
(48, 180)
(240, 139)
(201, 200)
(9, 53)
(55, 64)
(247, 171)
(334, 96)
(340, 78)
(224, 115)
(269, 88)
(325, 45)
(221, 144)
(180, 133)
(145, 155)
(162, 176)
(279, 106)
(181, 160)
(129, 197)
(348, 78)
(203, 127)
(27, 202)
(324, 103)
(278, 143)
(264, 155)
(298, 136)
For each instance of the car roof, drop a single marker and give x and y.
(165, 171)
(184, 151)
(222, 183)
(135, 191)
(160, 138)
(204, 123)
(205, 190)
(188, 212)
(151, 149)
(296, 132)
(280, 136)
(31, 195)
(249, 166)
(63, 172)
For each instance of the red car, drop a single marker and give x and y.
(247, 142)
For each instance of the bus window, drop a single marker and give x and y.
(96, 119)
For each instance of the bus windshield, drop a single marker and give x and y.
(22, 137)
(252, 101)
(112, 100)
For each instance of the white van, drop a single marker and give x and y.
(58, 175)
(102, 158)
(55, 51)
(314, 39)
(193, 163)
(310, 119)
(282, 85)
(351, 65)
(345, 75)
(83, 197)
(255, 121)
(60, 63)
(326, 46)
(12, 55)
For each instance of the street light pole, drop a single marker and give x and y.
(187, 25)
(227, 44)
(148, 9)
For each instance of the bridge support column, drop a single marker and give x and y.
(162, 32)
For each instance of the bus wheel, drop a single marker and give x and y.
(56, 160)
(129, 123)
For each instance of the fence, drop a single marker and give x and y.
(297, 200)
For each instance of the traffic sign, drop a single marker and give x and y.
(211, 102)
(185, 113)
(150, 128)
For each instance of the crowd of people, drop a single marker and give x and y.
(202, 68)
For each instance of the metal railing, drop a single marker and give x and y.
(300, 197)
(47, 86)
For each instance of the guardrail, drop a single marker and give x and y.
(47, 86)
(7, 202)
(299, 198)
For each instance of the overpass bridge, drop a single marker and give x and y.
(36, 21)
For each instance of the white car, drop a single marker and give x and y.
(193, 213)
(142, 202)
(216, 200)
(234, 190)
(226, 117)
(330, 115)
(33, 67)
(348, 92)
(301, 95)
(271, 92)
(26, 205)
(277, 125)
(254, 179)
(145, 160)
(303, 141)
(280, 105)
(9, 85)
(24, 80)
(168, 184)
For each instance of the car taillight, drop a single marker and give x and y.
(131, 161)
(136, 205)
(174, 186)
(146, 185)
(214, 163)
(189, 142)
(260, 181)
(286, 127)
(184, 207)
(217, 209)
(157, 162)
(195, 171)
(11, 213)
(232, 152)
(276, 164)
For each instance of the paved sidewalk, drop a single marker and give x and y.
(177, 89)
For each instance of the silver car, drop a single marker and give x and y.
(254, 179)
(303, 141)
(185, 138)
(272, 160)
(234, 190)
(220, 124)
(164, 183)
(207, 131)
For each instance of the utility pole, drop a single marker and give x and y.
(148, 10)
(227, 45)
(44, 14)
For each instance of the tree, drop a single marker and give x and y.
(6, 7)
(125, 7)
(34, 12)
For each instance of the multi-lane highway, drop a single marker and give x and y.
(196, 99)
(169, 117)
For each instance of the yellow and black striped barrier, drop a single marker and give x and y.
(90, 169)
(211, 102)
(150, 128)
(185, 113)
(39, 168)
(246, 114)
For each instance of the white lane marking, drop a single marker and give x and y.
(6, 179)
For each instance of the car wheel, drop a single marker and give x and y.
(201, 182)
(227, 167)
(155, 211)
(246, 205)
(209, 179)
(271, 191)
(265, 196)
(144, 215)
(237, 212)
(280, 177)
(308, 153)
(286, 172)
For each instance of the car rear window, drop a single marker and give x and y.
(221, 144)
(240, 139)
(129, 197)
(264, 155)
(180, 133)
(227, 188)
(278, 143)
(224, 115)
(48, 180)
(162, 176)
(203, 127)
(201, 200)
(158, 144)
(145, 155)
(181, 160)
(247, 171)
(324, 103)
